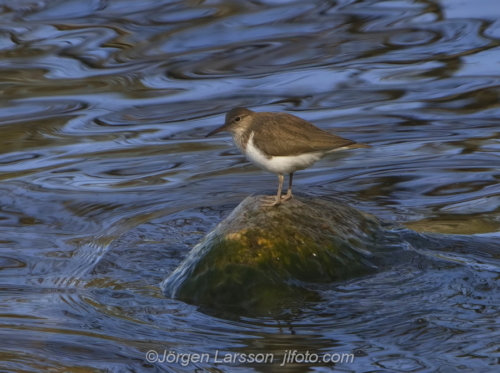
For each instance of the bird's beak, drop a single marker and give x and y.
(217, 130)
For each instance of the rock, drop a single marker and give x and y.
(261, 258)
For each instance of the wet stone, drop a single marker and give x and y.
(263, 258)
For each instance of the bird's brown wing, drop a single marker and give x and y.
(281, 134)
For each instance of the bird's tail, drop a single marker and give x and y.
(357, 146)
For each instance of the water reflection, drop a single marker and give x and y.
(107, 181)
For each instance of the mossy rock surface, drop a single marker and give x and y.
(263, 257)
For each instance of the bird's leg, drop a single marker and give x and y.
(273, 201)
(289, 191)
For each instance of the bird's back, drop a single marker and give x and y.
(282, 134)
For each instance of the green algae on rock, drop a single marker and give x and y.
(261, 257)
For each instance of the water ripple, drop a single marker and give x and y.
(107, 180)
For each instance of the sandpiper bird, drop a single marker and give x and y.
(280, 143)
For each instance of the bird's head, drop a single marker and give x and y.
(237, 119)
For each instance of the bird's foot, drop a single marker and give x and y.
(269, 201)
(286, 197)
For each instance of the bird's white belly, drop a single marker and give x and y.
(279, 165)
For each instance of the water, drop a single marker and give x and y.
(107, 180)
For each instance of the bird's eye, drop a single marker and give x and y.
(237, 119)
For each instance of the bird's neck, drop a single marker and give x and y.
(241, 137)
